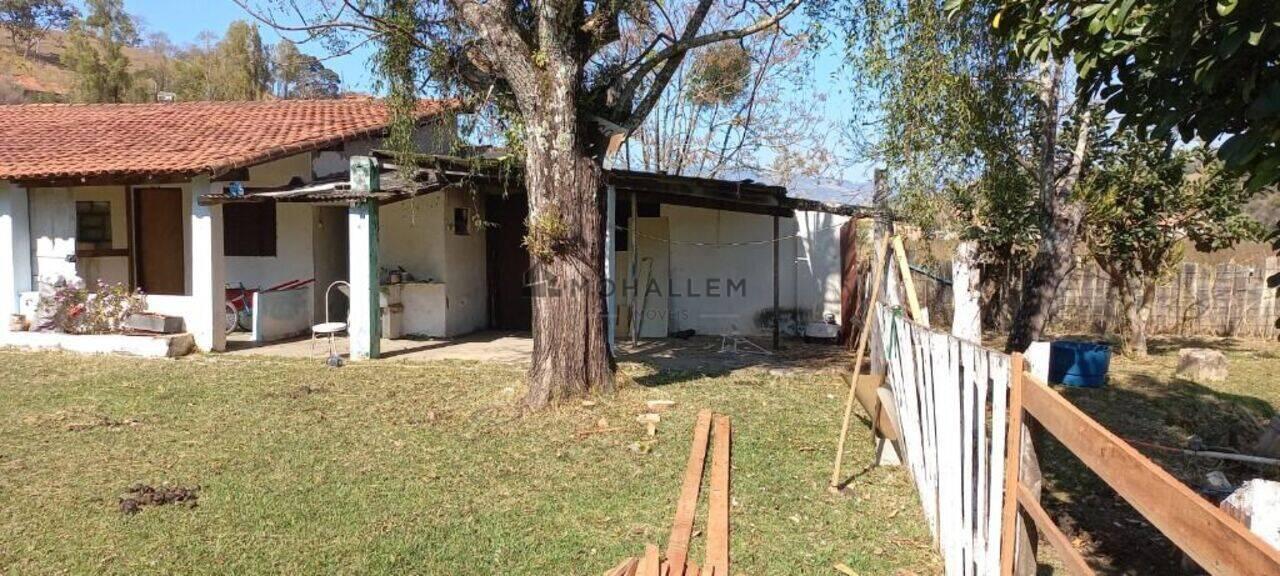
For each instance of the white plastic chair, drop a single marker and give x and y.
(329, 328)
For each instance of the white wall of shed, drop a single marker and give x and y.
(696, 269)
(466, 268)
(818, 263)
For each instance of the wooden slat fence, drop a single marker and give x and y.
(959, 409)
(1211, 537)
(949, 401)
(1225, 299)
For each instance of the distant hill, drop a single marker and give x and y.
(41, 77)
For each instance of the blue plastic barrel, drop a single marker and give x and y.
(1080, 364)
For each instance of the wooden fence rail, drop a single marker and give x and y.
(957, 411)
(1215, 540)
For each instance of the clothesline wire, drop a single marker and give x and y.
(725, 244)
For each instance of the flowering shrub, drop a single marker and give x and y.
(75, 309)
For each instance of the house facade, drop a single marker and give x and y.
(182, 200)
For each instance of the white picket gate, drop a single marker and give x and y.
(951, 402)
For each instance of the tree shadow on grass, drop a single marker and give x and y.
(1154, 410)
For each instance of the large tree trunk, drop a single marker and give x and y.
(566, 239)
(1137, 307)
(1055, 256)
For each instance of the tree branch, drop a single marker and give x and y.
(671, 57)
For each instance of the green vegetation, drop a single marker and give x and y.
(404, 468)
(1205, 68)
(1144, 198)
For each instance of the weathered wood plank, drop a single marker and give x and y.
(682, 527)
(718, 513)
(1067, 552)
(1219, 543)
(1012, 461)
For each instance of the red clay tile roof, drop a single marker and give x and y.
(61, 141)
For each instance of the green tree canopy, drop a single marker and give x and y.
(1206, 69)
(95, 52)
(1145, 200)
(27, 21)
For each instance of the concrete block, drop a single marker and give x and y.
(1256, 504)
(1201, 365)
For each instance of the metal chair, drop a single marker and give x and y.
(329, 328)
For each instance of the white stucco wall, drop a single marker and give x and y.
(817, 263)
(418, 235)
(720, 288)
(411, 236)
(701, 296)
(15, 250)
(109, 269)
(293, 259)
(466, 269)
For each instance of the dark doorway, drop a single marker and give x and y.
(160, 240)
(510, 298)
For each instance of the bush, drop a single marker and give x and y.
(74, 309)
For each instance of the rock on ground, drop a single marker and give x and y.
(1201, 365)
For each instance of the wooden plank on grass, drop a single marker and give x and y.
(1217, 542)
(682, 528)
(718, 515)
(1066, 551)
(625, 568)
(651, 566)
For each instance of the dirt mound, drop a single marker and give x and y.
(140, 495)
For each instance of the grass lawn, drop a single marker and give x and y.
(1144, 401)
(426, 468)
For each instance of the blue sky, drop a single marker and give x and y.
(183, 21)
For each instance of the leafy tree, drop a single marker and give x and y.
(977, 140)
(570, 78)
(286, 62)
(157, 75)
(1205, 68)
(727, 112)
(242, 64)
(95, 52)
(302, 76)
(1145, 199)
(234, 67)
(27, 21)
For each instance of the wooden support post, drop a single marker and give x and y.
(877, 270)
(634, 249)
(1012, 458)
(777, 317)
(908, 285)
(365, 327)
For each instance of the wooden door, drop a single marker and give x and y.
(510, 298)
(160, 240)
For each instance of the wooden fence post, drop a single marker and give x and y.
(1019, 538)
